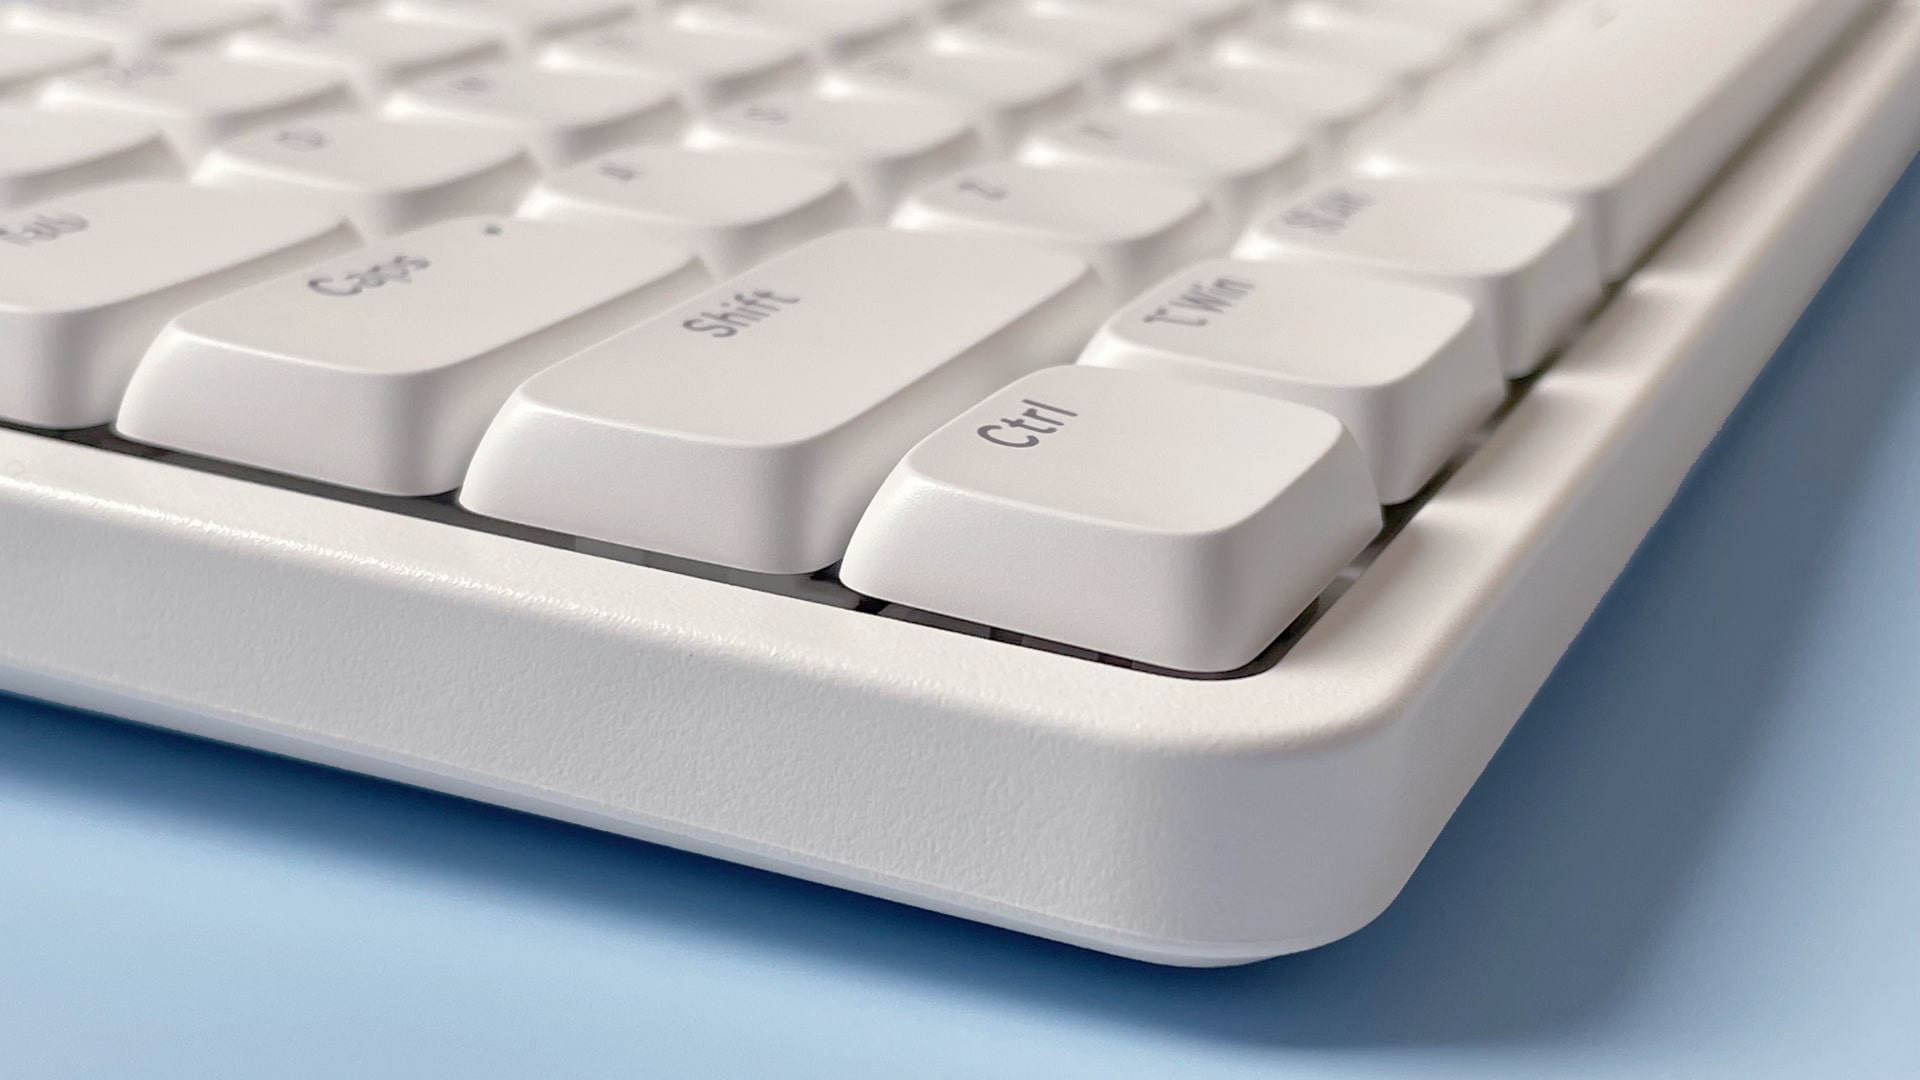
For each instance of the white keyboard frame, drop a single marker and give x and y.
(1173, 820)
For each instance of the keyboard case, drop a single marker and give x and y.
(1177, 820)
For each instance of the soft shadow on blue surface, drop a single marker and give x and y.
(1532, 914)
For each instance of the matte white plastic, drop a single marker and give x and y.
(372, 53)
(1624, 108)
(1530, 265)
(646, 440)
(1132, 230)
(732, 217)
(386, 177)
(379, 369)
(1161, 520)
(198, 100)
(882, 148)
(1174, 820)
(50, 155)
(1411, 371)
(88, 279)
(560, 116)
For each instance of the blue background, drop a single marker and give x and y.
(1698, 855)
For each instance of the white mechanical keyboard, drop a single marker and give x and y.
(1114, 469)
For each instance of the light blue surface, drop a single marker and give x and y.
(1698, 856)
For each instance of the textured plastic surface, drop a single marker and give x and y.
(1197, 822)
(1695, 859)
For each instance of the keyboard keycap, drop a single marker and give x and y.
(86, 281)
(1326, 102)
(1008, 95)
(379, 369)
(1239, 162)
(883, 148)
(559, 116)
(373, 54)
(134, 28)
(1411, 371)
(1196, 18)
(831, 29)
(201, 100)
(1625, 109)
(387, 177)
(1172, 523)
(28, 60)
(1528, 264)
(1133, 230)
(48, 154)
(1409, 53)
(750, 426)
(711, 69)
(1113, 45)
(1477, 20)
(733, 210)
(523, 24)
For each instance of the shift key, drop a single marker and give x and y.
(750, 427)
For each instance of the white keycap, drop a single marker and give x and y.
(521, 23)
(133, 28)
(1478, 20)
(198, 100)
(1239, 162)
(711, 68)
(1627, 109)
(1411, 371)
(733, 210)
(87, 280)
(883, 148)
(373, 54)
(1326, 101)
(1132, 230)
(1007, 94)
(1409, 53)
(1527, 263)
(379, 369)
(1197, 18)
(1171, 523)
(1113, 45)
(303, 9)
(387, 177)
(750, 426)
(48, 154)
(27, 60)
(830, 29)
(560, 116)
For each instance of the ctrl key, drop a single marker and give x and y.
(1173, 523)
